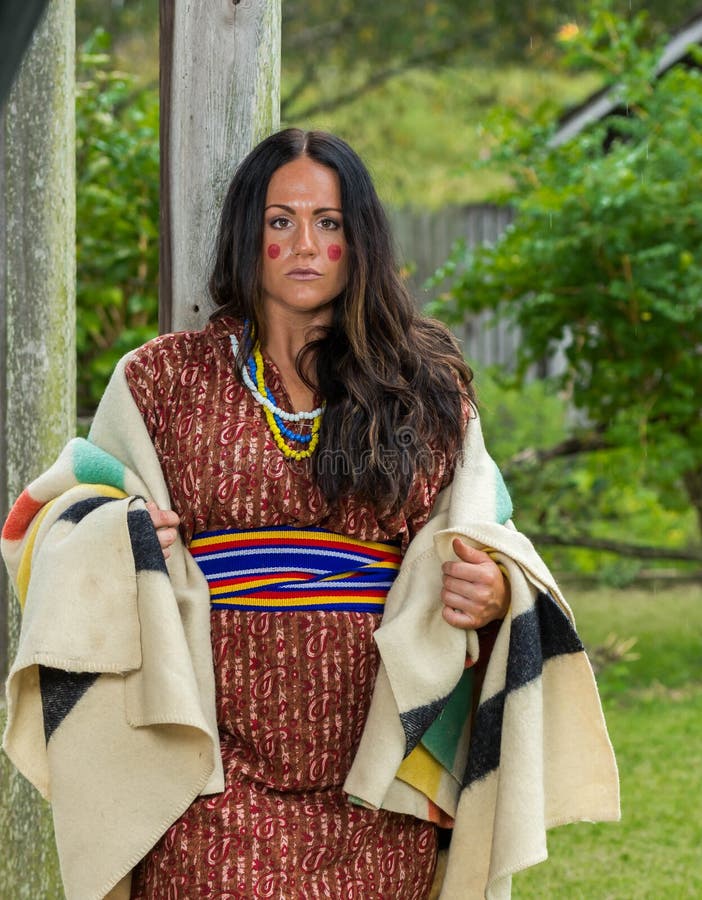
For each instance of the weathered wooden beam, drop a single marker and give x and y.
(18, 19)
(220, 95)
(4, 493)
(37, 356)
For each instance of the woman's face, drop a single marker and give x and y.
(305, 254)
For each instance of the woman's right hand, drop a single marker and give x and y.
(166, 523)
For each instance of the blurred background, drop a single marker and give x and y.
(452, 105)
(540, 163)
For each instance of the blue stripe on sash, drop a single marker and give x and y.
(285, 569)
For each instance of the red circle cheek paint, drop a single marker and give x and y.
(334, 252)
(273, 251)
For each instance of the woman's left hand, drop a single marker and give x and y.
(475, 591)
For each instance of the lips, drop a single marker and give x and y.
(301, 274)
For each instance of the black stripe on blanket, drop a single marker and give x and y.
(147, 552)
(540, 634)
(78, 511)
(148, 555)
(60, 691)
(416, 721)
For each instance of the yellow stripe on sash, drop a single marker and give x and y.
(287, 533)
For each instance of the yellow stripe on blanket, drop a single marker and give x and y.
(25, 566)
(24, 569)
(422, 771)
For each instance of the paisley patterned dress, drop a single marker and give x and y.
(292, 688)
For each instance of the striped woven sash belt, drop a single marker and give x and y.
(289, 569)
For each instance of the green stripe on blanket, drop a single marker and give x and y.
(503, 501)
(91, 465)
(448, 732)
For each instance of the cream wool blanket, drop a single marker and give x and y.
(537, 753)
(110, 698)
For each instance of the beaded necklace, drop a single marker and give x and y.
(252, 372)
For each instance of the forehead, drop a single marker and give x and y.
(304, 182)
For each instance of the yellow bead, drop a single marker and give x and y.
(273, 425)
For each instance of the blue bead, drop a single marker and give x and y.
(291, 435)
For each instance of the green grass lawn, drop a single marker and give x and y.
(653, 706)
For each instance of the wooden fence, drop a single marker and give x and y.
(424, 241)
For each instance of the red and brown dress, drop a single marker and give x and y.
(292, 688)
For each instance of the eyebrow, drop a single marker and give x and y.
(316, 212)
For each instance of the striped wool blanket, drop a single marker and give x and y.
(111, 695)
(114, 654)
(536, 751)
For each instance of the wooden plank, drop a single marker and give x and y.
(37, 292)
(220, 96)
(18, 19)
(424, 241)
(4, 490)
(165, 256)
(38, 256)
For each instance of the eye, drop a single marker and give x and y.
(329, 224)
(279, 222)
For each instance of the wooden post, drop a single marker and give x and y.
(220, 95)
(37, 357)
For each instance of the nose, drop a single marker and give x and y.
(305, 244)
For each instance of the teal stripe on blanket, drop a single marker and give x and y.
(91, 465)
(443, 736)
(503, 501)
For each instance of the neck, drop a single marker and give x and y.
(287, 334)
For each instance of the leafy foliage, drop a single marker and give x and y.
(603, 259)
(609, 495)
(366, 43)
(117, 215)
(416, 133)
(334, 54)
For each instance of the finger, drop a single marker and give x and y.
(457, 618)
(166, 536)
(468, 553)
(478, 575)
(476, 591)
(167, 518)
(481, 608)
(460, 603)
(162, 518)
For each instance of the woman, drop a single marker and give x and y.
(314, 420)
(237, 723)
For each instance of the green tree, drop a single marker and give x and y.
(577, 505)
(333, 55)
(117, 217)
(603, 259)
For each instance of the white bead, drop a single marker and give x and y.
(264, 401)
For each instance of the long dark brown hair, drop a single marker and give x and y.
(394, 381)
